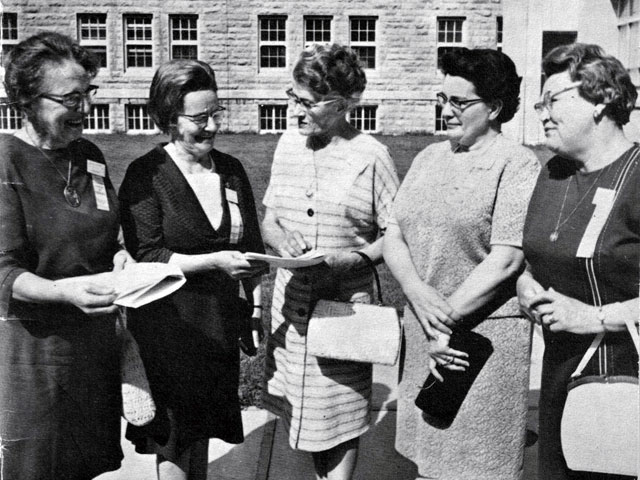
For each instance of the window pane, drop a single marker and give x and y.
(367, 56)
(139, 56)
(272, 56)
(273, 118)
(10, 26)
(184, 51)
(10, 119)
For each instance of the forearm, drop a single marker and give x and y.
(253, 292)
(273, 234)
(398, 259)
(374, 250)
(195, 263)
(29, 287)
(612, 317)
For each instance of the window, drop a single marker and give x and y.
(499, 33)
(138, 119)
(138, 36)
(273, 35)
(98, 118)
(317, 30)
(629, 37)
(10, 118)
(184, 36)
(364, 118)
(363, 39)
(441, 125)
(9, 34)
(273, 118)
(449, 36)
(92, 34)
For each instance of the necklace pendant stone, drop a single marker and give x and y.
(554, 236)
(71, 196)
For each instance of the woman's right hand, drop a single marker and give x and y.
(293, 245)
(236, 266)
(432, 309)
(528, 288)
(91, 297)
(442, 355)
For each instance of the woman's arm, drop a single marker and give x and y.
(484, 281)
(253, 292)
(527, 288)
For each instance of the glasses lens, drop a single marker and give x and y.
(442, 99)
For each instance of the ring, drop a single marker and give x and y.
(449, 361)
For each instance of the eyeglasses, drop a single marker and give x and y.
(306, 104)
(455, 102)
(201, 119)
(73, 99)
(549, 98)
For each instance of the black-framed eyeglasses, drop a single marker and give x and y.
(201, 119)
(549, 98)
(73, 99)
(455, 102)
(304, 103)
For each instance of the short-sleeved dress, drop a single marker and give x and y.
(59, 368)
(614, 270)
(451, 208)
(339, 198)
(188, 340)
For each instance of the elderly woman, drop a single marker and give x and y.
(188, 204)
(454, 245)
(580, 281)
(331, 189)
(59, 362)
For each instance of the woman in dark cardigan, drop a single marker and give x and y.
(188, 204)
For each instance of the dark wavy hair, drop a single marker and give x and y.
(604, 78)
(492, 73)
(330, 68)
(27, 62)
(171, 83)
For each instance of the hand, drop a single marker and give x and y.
(90, 297)
(560, 313)
(527, 288)
(234, 264)
(121, 259)
(443, 356)
(293, 245)
(432, 309)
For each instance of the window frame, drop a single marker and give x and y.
(360, 119)
(93, 43)
(93, 116)
(439, 125)
(499, 32)
(446, 45)
(137, 43)
(183, 43)
(628, 26)
(143, 116)
(356, 45)
(9, 115)
(273, 117)
(8, 42)
(272, 43)
(316, 18)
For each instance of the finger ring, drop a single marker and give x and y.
(449, 361)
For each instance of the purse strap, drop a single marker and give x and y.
(373, 269)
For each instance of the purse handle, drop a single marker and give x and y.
(372, 267)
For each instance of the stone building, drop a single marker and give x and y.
(252, 45)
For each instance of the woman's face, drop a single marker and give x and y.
(198, 123)
(55, 124)
(320, 115)
(567, 118)
(467, 124)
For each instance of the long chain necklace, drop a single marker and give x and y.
(554, 235)
(70, 193)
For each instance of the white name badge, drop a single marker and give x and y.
(95, 168)
(603, 200)
(232, 195)
(100, 191)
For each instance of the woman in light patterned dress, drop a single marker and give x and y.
(331, 189)
(454, 245)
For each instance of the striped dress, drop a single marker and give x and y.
(339, 198)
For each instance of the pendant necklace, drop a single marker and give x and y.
(70, 193)
(554, 235)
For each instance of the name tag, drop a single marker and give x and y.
(603, 200)
(100, 191)
(95, 168)
(232, 195)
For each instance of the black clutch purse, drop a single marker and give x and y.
(441, 401)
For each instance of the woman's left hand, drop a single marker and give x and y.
(121, 259)
(560, 313)
(443, 356)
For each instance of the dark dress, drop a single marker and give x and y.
(60, 397)
(189, 340)
(554, 264)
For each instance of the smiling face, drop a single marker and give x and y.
(468, 124)
(55, 124)
(192, 137)
(320, 119)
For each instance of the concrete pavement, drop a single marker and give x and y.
(265, 454)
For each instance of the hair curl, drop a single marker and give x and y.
(330, 68)
(604, 78)
(492, 73)
(28, 60)
(171, 83)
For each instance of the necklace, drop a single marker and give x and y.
(554, 235)
(70, 193)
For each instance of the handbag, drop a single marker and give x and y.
(441, 401)
(138, 407)
(357, 332)
(599, 427)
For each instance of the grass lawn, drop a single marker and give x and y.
(256, 153)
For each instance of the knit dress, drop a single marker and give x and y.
(451, 208)
(339, 198)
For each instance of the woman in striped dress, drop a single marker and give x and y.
(331, 189)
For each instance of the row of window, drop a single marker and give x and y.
(183, 36)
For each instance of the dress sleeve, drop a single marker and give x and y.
(512, 199)
(385, 185)
(141, 216)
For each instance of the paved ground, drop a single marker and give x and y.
(265, 454)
